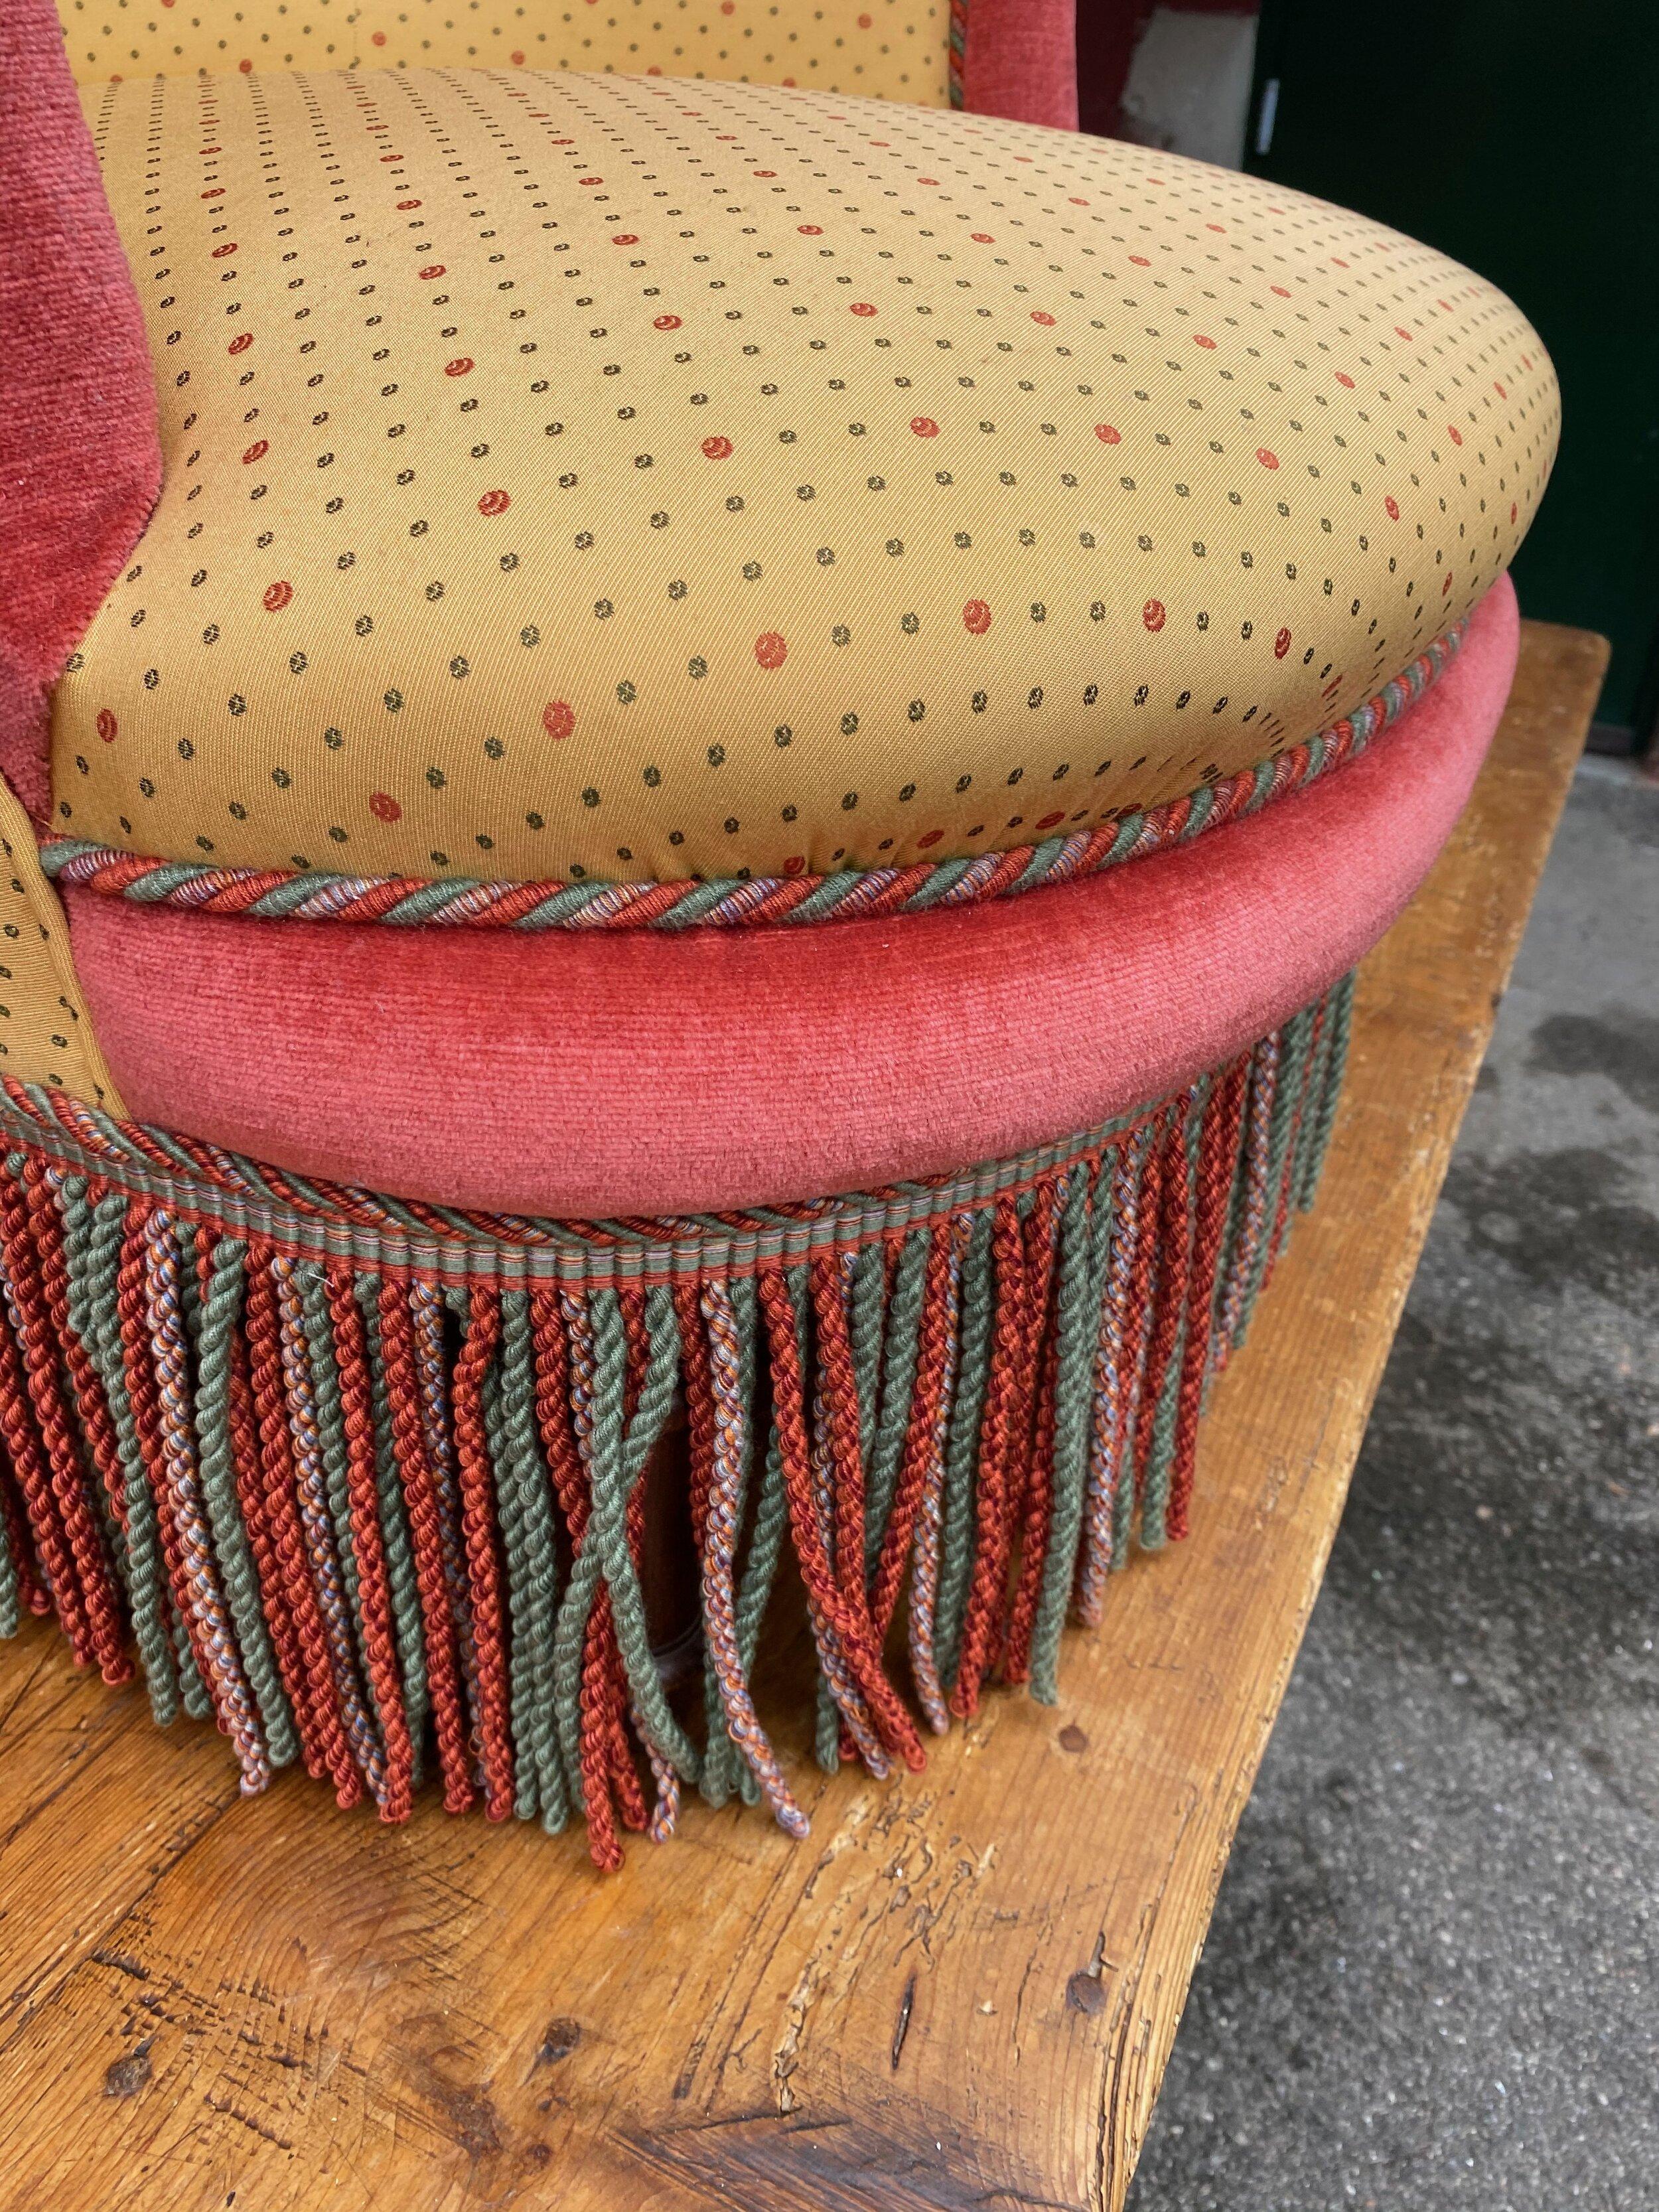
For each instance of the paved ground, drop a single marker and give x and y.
(1432, 1980)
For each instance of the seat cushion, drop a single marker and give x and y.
(631, 1073)
(591, 478)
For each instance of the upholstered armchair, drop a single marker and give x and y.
(700, 723)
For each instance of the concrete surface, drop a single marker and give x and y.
(1432, 1979)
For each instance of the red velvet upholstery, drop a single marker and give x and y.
(635, 1073)
(79, 458)
(1021, 61)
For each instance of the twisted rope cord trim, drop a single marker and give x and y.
(742, 902)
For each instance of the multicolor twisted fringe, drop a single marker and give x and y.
(463, 902)
(366, 1482)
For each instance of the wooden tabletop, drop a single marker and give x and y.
(961, 1991)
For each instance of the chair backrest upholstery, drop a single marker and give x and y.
(892, 49)
(1011, 58)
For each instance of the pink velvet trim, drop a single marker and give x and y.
(631, 1072)
(1020, 61)
(80, 454)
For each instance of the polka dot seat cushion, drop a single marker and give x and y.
(589, 479)
(693, 893)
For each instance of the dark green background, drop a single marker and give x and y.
(1523, 137)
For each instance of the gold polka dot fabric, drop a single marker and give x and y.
(884, 49)
(45, 1033)
(572, 476)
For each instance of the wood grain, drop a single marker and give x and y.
(961, 1991)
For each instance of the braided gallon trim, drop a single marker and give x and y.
(314, 1219)
(731, 902)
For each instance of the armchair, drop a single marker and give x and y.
(700, 725)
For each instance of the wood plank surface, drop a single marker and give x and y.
(961, 1991)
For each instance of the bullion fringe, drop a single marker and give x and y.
(385, 1519)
